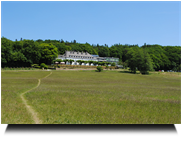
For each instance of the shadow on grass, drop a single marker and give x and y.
(128, 72)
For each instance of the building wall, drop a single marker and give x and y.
(85, 56)
(111, 59)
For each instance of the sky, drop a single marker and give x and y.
(94, 22)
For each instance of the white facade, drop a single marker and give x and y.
(77, 56)
(85, 56)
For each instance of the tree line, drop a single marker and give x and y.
(24, 53)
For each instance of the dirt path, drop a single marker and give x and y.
(29, 108)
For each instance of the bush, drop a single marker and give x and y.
(116, 67)
(107, 66)
(99, 68)
(42, 65)
(34, 65)
(58, 66)
(37, 67)
(46, 67)
(113, 64)
(144, 72)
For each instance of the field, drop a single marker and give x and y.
(89, 97)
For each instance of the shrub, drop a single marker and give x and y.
(145, 73)
(42, 65)
(99, 68)
(113, 64)
(37, 67)
(58, 66)
(46, 67)
(34, 65)
(107, 66)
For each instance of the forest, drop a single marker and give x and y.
(24, 53)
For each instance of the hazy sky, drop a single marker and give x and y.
(124, 22)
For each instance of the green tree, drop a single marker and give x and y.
(59, 60)
(85, 62)
(108, 63)
(70, 61)
(95, 63)
(104, 51)
(80, 62)
(90, 62)
(173, 53)
(39, 41)
(174, 66)
(65, 60)
(18, 59)
(32, 51)
(100, 63)
(179, 68)
(116, 51)
(103, 63)
(62, 41)
(48, 52)
(139, 58)
(6, 50)
(124, 64)
(132, 60)
(145, 63)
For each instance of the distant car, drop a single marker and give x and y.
(162, 70)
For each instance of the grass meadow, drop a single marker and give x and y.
(89, 97)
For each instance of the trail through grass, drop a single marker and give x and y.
(109, 97)
(13, 84)
(29, 108)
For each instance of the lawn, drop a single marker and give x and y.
(89, 97)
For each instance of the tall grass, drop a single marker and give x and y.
(13, 111)
(85, 97)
